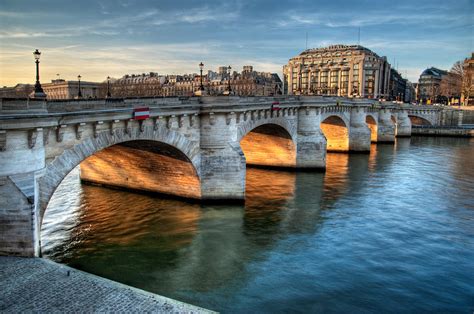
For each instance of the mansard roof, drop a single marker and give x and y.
(335, 48)
(434, 72)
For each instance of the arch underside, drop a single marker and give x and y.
(154, 160)
(416, 120)
(372, 124)
(336, 133)
(269, 145)
(143, 165)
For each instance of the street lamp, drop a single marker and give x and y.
(228, 71)
(79, 94)
(201, 66)
(108, 87)
(38, 93)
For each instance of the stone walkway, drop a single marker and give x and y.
(40, 285)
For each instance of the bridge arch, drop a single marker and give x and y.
(336, 131)
(371, 122)
(248, 126)
(417, 120)
(269, 145)
(98, 151)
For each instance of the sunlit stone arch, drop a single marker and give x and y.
(249, 125)
(336, 130)
(371, 119)
(343, 115)
(269, 144)
(420, 120)
(57, 170)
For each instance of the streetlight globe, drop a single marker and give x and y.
(201, 65)
(79, 77)
(36, 54)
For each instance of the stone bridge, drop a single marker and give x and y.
(194, 148)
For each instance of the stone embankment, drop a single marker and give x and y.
(462, 131)
(42, 286)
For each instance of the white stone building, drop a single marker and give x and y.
(338, 70)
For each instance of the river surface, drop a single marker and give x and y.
(392, 231)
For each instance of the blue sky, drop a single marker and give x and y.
(115, 37)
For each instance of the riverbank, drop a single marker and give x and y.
(443, 131)
(41, 285)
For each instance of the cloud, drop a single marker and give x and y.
(434, 19)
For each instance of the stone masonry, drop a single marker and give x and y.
(36, 285)
(201, 151)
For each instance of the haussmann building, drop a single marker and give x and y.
(338, 70)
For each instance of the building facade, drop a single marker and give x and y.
(410, 92)
(17, 91)
(62, 89)
(429, 84)
(338, 70)
(246, 83)
(397, 86)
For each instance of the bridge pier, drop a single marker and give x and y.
(403, 124)
(21, 163)
(359, 132)
(311, 143)
(222, 160)
(386, 127)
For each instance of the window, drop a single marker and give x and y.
(324, 77)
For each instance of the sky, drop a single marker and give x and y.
(100, 38)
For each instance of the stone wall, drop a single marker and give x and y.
(16, 221)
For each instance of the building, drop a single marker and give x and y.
(246, 83)
(342, 70)
(57, 89)
(397, 86)
(62, 89)
(468, 82)
(134, 85)
(17, 91)
(410, 92)
(429, 84)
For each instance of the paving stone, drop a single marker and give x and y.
(42, 286)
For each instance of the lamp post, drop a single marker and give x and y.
(79, 94)
(229, 68)
(201, 66)
(38, 93)
(108, 87)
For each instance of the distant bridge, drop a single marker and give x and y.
(187, 147)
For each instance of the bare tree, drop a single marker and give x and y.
(458, 68)
(451, 84)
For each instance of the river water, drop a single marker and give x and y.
(392, 231)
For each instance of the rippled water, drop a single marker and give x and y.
(392, 231)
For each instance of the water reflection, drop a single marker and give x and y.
(371, 227)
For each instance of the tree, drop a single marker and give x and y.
(458, 68)
(451, 84)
